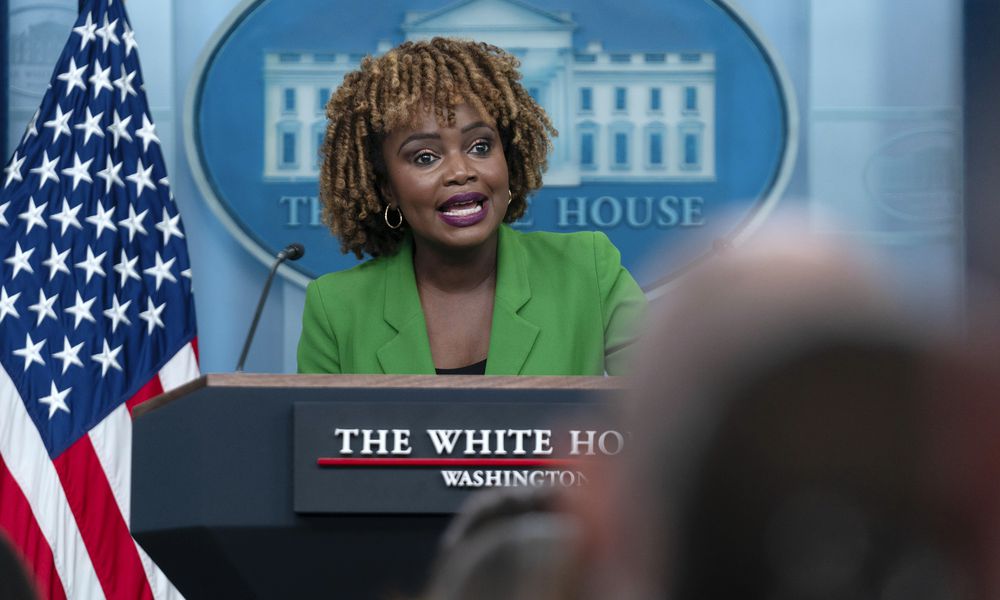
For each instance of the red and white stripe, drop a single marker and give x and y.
(69, 517)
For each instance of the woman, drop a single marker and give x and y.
(430, 150)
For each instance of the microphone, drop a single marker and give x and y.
(293, 251)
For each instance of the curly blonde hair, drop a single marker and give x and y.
(392, 91)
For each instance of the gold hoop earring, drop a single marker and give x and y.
(386, 217)
(510, 196)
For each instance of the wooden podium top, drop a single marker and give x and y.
(268, 380)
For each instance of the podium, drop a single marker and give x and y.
(230, 499)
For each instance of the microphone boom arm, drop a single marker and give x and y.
(291, 252)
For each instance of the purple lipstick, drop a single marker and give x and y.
(464, 210)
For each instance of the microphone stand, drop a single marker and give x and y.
(291, 252)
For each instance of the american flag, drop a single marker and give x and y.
(96, 315)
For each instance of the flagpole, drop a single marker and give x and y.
(4, 94)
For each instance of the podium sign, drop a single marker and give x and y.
(428, 452)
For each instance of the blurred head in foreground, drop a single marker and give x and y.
(14, 580)
(507, 543)
(796, 438)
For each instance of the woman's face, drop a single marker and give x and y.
(450, 182)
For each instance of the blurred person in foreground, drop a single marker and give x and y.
(795, 438)
(508, 543)
(431, 152)
(15, 583)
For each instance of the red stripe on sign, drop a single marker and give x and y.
(152, 389)
(18, 522)
(194, 347)
(105, 533)
(447, 462)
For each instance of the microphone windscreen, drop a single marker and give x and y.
(294, 251)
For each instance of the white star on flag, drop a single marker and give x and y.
(79, 170)
(67, 216)
(32, 129)
(20, 260)
(141, 178)
(102, 219)
(60, 123)
(124, 84)
(119, 127)
(86, 32)
(134, 222)
(101, 79)
(117, 313)
(161, 271)
(92, 264)
(147, 132)
(73, 77)
(56, 262)
(13, 170)
(33, 215)
(32, 351)
(44, 306)
(108, 358)
(81, 310)
(126, 269)
(152, 315)
(7, 304)
(47, 170)
(56, 400)
(169, 226)
(90, 126)
(107, 33)
(128, 37)
(110, 174)
(68, 355)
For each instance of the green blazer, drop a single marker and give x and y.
(561, 300)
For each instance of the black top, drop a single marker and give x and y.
(478, 368)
